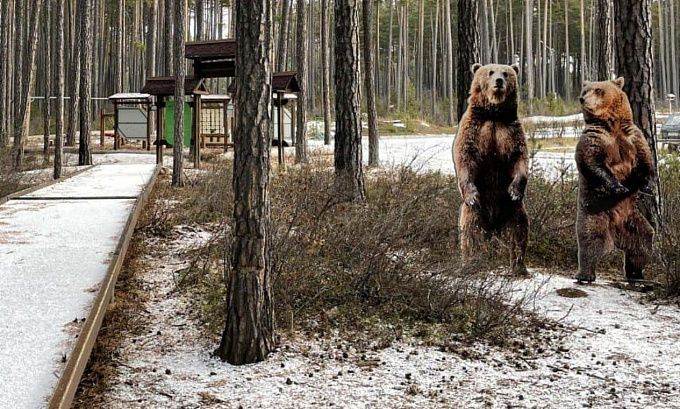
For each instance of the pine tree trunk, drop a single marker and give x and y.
(602, 41)
(84, 154)
(567, 62)
(373, 139)
(583, 44)
(635, 63)
(301, 129)
(74, 86)
(435, 36)
(282, 53)
(421, 50)
(59, 67)
(180, 75)
(326, 68)
(349, 176)
(249, 331)
(47, 78)
(169, 35)
(468, 50)
(528, 15)
(22, 122)
(200, 19)
(390, 45)
(449, 63)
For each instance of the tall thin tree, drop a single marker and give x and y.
(180, 75)
(84, 154)
(301, 51)
(326, 71)
(349, 175)
(369, 77)
(249, 331)
(59, 114)
(468, 50)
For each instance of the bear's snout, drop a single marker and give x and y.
(500, 83)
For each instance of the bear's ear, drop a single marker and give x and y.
(619, 82)
(475, 67)
(516, 68)
(586, 83)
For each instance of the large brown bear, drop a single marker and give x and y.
(615, 166)
(491, 161)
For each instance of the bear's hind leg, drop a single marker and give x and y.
(635, 238)
(593, 238)
(471, 232)
(516, 231)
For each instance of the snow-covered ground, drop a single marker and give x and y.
(615, 352)
(53, 256)
(433, 154)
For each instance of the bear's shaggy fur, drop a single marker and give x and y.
(615, 166)
(491, 161)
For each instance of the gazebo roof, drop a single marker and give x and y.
(281, 82)
(165, 86)
(211, 49)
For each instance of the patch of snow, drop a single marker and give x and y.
(619, 352)
(567, 119)
(53, 256)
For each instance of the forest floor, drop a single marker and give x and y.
(611, 347)
(615, 349)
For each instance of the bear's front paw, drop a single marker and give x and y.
(472, 198)
(647, 189)
(618, 190)
(516, 193)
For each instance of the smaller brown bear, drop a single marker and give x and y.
(615, 166)
(491, 161)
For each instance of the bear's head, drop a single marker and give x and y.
(605, 101)
(494, 85)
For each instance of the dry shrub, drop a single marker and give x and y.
(668, 243)
(551, 206)
(10, 181)
(345, 266)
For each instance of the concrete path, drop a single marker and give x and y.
(55, 247)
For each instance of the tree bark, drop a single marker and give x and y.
(22, 122)
(449, 63)
(326, 68)
(84, 154)
(249, 331)
(468, 50)
(180, 75)
(373, 139)
(528, 14)
(635, 63)
(282, 53)
(169, 31)
(301, 129)
(59, 67)
(74, 86)
(602, 41)
(349, 176)
(47, 78)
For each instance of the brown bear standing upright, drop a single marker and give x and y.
(615, 166)
(491, 160)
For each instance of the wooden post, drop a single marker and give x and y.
(196, 122)
(293, 118)
(102, 129)
(281, 153)
(227, 129)
(148, 126)
(116, 135)
(160, 104)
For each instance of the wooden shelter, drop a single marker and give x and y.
(163, 87)
(217, 59)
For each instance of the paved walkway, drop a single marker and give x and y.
(55, 247)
